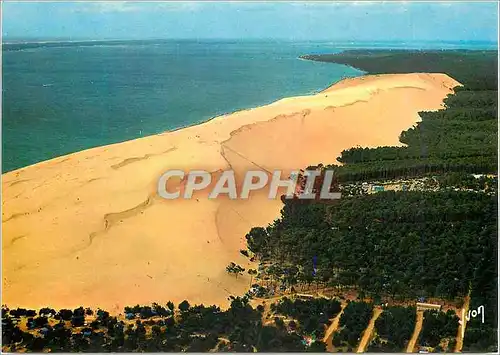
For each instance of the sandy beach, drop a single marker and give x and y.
(89, 228)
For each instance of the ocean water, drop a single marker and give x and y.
(59, 99)
(64, 97)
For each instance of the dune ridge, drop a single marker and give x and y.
(89, 229)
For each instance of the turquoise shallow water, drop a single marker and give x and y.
(62, 99)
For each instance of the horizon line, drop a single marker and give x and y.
(73, 39)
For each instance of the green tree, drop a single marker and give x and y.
(184, 306)
(235, 269)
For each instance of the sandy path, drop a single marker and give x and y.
(369, 330)
(418, 327)
(327, 339)
(462, 323)
(89, 228)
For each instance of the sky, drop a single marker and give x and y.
(333, 21)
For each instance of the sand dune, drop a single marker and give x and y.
(89, 229)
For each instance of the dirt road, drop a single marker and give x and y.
(327, 339)
(462, 324)
(416, 332)
(369, 330)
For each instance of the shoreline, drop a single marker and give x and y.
(199, 123)
(97, 214)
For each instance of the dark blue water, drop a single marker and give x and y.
(62, 99)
